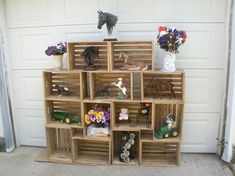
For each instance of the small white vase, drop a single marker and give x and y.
(58, 62)
(169, 62)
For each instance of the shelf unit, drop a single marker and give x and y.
(69, 143)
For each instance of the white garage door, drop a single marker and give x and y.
(34, 24)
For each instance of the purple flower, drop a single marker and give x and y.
(58, 49)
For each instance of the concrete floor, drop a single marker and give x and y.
(21, 163)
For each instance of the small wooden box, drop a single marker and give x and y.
(59, 145)
(116, 140)
(74, 81)
(162, 110)
(91, 151)
(76, 62)
(70, 107)
(134, 121)
(153, 86)
(155, 153)
(101, 79)
(137, 51)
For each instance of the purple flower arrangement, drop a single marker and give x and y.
(100, 116)
(58, 49)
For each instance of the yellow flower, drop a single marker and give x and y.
(87, 121)
(99, 115)
(91, 112)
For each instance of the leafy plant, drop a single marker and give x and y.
(221, 146)
(58, 49)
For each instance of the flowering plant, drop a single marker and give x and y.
(58, 49)
(98, 116)
(170, 39)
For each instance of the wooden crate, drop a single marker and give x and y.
(151, 93)
(75, 81)
(133, 121)
(91, 151)
(162, 110)
(138, 51)
(70, 107)
(146, 135)
(87, 105)
(116, 140)
(76, 62)
(99, 80)
(59, 145)
(159, 154)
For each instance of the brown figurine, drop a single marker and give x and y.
(131, 65)
(102, 91)
(60, 90)
(161, 87)
(90, 54)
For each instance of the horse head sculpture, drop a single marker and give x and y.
(107, 18)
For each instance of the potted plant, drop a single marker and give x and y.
(57, 51)
(169, 40)
(98, 119)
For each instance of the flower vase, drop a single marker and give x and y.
(58, 62)
(169, 62)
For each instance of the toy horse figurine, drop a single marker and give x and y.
(122, 90)
(131, 65)
(90, 54)
(110, 21)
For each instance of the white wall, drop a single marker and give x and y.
(1, 125)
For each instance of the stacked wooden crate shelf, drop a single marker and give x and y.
(69, 143)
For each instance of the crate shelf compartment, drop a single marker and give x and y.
(88, 106)
(59, 145)
(91, 151)
(137, 51)
(67, 109)
(75, 82)
(161, 86)
(116, 141)
(76, 62)
(99, 81)
(162, 110)
(77, 133)
(159, 154)
(135, 120)
(146, 135)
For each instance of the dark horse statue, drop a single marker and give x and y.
(107, 18)
(90, 54)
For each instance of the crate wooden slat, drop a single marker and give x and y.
(99, 80)
(175, 78)
(76, 62)
(133, 122)
(138, 51)
(159, 154)
(91, 151)
(59, 145)
(70, 80)
(70, 107)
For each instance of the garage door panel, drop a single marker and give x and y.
(31, 127)
(28, 89)
(22, 12)
(203, 90)
(200, 131)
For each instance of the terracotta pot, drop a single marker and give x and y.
(58, 62)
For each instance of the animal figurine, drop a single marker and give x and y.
(60, 90)
(126, 150)
(123, 89)
(110, 20)
(123, 114)
(161, 87)
(90, 54)
(131, 65)
(102, 91)
(169, 128)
